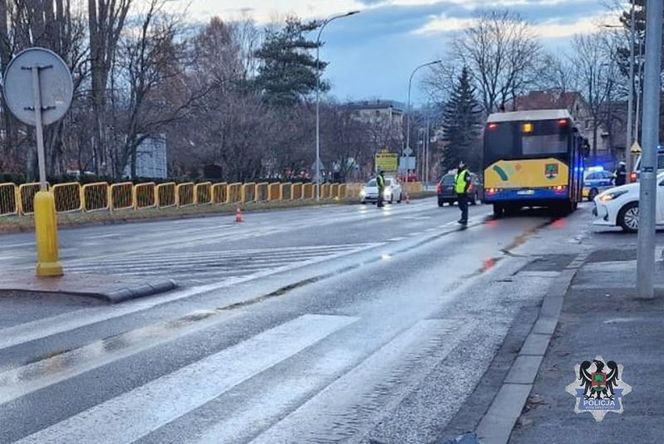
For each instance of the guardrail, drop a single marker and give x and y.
(102, 196)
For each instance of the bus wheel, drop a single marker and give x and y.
(498, 211)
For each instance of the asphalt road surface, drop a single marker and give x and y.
(338, 323)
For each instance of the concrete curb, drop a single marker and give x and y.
(497, 424)
(141, 291)
(112, 296)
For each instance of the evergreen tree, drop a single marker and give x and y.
(288, 68)
(461, 125)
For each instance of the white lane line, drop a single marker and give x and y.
(396, 239)
(20, 381)
(43, 328)
(139, 412)
(357, 401)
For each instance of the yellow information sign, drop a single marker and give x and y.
(387, 162)
(636, 148)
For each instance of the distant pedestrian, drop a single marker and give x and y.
(620, 175)
(462, 182)
(380, 184)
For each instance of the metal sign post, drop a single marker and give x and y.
(45, 74)
(648, 188)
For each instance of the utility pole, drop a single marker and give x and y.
(648, 178)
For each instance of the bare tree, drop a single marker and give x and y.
(597, 70)
(106, 20)
(501, 51)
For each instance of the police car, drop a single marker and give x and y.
(597, 181)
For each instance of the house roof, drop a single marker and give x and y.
(516, 116)
(552, 99)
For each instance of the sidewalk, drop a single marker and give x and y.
(600, 316)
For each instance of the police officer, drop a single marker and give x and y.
(380, 184)
(462, 182)
(620, 175)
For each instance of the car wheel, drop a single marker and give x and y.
(628, 217)
(593, 194)
(364, 202)
(441, 203)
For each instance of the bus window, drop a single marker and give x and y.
(547, 138)
(500, 142)
(544, 144)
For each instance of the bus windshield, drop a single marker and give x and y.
(515, 140)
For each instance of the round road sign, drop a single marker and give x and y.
(56, 86)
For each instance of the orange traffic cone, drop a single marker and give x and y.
(238, 215)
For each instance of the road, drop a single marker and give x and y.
(338, 323)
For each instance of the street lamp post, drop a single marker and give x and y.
(410, 84)
(320, 32)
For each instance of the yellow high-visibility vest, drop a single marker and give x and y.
(460, 182)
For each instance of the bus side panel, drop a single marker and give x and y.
(527, 174)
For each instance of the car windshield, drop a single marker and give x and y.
(371, 183)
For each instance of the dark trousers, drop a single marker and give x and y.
(463, 206)
(379, 201)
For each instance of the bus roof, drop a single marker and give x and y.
(541, 114)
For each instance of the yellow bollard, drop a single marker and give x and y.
(46, 231)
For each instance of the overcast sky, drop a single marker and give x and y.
(372, 54)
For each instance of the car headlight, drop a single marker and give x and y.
(363, 193)
(611, 195)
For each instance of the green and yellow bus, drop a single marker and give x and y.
(532, 159)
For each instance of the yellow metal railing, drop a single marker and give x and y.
(203, 192)
(325, 191)
(67, 197)
(101, 196)
(95, 197)
(184, 194)
(234, 193)
(248, 192)
(296, 193)
(26, 198)
(334, 191)
(121, 196)
(261, 192)
(145, 196)
(8, 202)
(165, 195)
(219, 193)
(308, 191)
(285, 191)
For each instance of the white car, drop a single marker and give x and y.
(391, 194)
(619, 206)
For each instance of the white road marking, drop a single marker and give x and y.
(353, 402)
(43, 328)
(134, 414)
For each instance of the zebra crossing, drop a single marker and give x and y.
(336, 398)
(202, 267)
